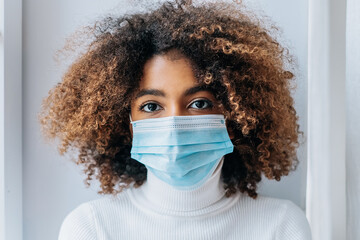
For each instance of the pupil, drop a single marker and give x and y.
(152, 106)
(199, 104)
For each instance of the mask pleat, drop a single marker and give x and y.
(172, 137)
(181, 162)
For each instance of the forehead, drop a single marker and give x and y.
(170, 70)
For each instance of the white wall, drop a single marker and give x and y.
(326, 182)
(52, 186)
(10, 121)
(352, 119)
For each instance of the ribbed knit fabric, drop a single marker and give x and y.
(156, 210)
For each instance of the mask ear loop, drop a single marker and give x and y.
(226, 119)
(130, 118)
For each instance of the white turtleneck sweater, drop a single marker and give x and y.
(156, 210)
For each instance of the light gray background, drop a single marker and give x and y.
(52, 185)
(352, 119)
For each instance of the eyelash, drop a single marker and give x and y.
(210, 105)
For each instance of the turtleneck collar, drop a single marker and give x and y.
(164, 198)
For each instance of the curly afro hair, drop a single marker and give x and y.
(234, 53)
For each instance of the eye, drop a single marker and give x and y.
(150, 107)
(201, 104)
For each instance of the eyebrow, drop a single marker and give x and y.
(153, 92)
(156, 92)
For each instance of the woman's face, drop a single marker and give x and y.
(169, 88)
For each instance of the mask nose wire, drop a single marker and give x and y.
(225, 118)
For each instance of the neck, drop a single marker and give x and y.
(166, 197)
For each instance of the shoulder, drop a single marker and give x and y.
(84, 221)
(78, 224)
(292, 222)
(281, 216)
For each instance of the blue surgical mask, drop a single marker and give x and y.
(182, 151)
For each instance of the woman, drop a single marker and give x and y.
(178, 112)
